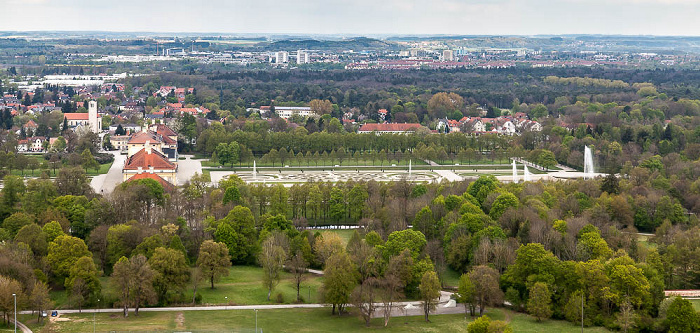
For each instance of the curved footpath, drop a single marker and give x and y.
(21, 326)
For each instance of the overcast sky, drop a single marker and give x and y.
(359, 17)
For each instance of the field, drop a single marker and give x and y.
(104, 168)
(293, 320)
(242, 286)
(696, 304)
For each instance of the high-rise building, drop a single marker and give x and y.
(448, 55)
(281, 57)
(303, 57)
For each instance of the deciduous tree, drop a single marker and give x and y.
(213, 260)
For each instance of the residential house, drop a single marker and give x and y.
(30, 127)
(120, 142)
(150, 160)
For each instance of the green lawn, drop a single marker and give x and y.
(242, 286)
(696, 303)
(644, 241)
(27, 319)
(295, 320)
(344, 234)
(451, 278)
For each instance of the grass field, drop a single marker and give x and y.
(344, 234)
(104, 168)
(294, 320)
(243, 286)
(696, 304)
(644, 241)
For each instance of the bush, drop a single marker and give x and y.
(279, 298)
(104, 158)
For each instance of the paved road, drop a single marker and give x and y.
(20, 326)
(187, 168)
(107, 182)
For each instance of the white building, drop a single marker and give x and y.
(285, 112)
(281, 57)
(303, 57)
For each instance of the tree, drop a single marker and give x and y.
(546, 159)
(442, 104)
(321, 107)
(681, 317)
(237, 231)
(13, 188)
(122, 277)
(271, 259)
(72, 181)
(89, 161)
(363, 297)
(539, 305)
(17, 221)
(486, 289)
(398, 241)
(328, 244)
(391, 286)
(142, 291)
(213, 260)
(610, 184)
(172, 272)
(32, 235)
(429, 292)
(297, 265)
(228, 153)
(82, 283)
(466, 295)
(502, 203)
(39, 299)
(64, 252)
(9, 286)
(626, 317)
(339, 280)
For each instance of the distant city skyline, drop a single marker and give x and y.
(359, 17)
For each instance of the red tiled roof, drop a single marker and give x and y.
(145, 160)
(145, 175)
(389, 127)
(142, 137)
(164, 130)
(31, 124)
(78, 116)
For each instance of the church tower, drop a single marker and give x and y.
(93, 120)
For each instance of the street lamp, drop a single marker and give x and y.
(256, 320)
(15, 296)
(226, 305)
(93, 315)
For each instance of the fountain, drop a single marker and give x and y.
(526, 174)
(255, 172)
(515, 172)
(588, 172)
(409, 168)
